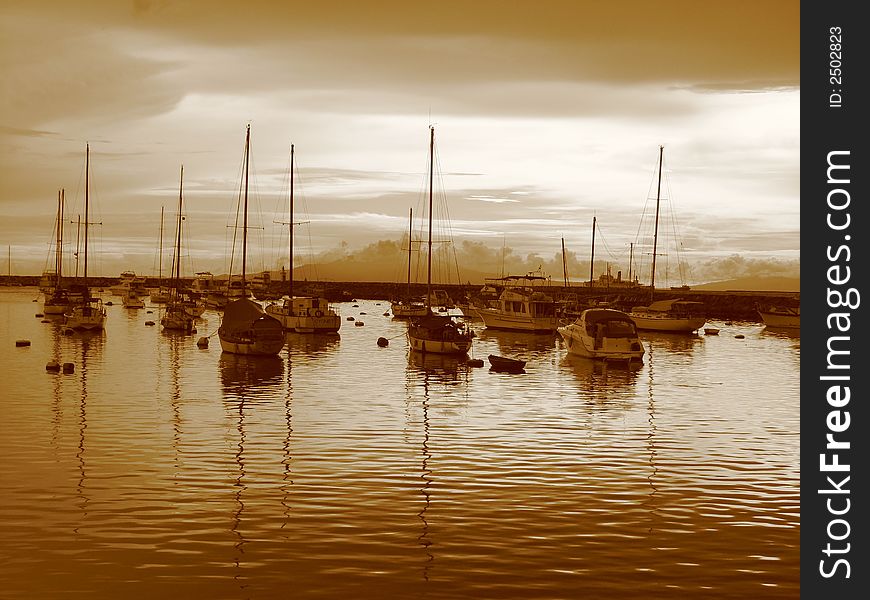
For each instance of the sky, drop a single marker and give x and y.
(546, 114)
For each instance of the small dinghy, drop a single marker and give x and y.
(509, 365)
(711, 331)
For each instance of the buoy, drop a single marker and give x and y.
(383, 342)
(109, 303)
(728, 322)
(356, 305)
(387, 314)
(739, 336)
(475, 362)
(68, 368)
(377, 303)
(149, 323)
(202, 342)
(39, 315)
(148, 312)
(359, 323)
(20, 343)
(52, 365)
(361, 312)
(350, 318)
(34, 300)
(45, 321)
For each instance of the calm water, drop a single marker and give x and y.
(345, 470)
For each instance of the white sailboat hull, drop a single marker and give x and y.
(667, 323)
(409, 310)
(306, 319)
(781, 321)
(497, 319)
(86, 320)
(54, 309)
(438, 346)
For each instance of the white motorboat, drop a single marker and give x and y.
(603, 333)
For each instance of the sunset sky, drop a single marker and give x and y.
(546, 114)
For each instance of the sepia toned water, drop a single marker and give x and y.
(346, 470)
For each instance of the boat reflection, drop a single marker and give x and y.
(595, 374)
(526, 344)
(678, 343)
(311, 344)
(785, 333)
(425, 491)
(241, 374)
(90, 348)
(438, 367)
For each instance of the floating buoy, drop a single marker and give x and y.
(149, 323)
(356, 305)
(728, 323)
(39, 315)
(383, 342)
(739, 336)
(52, 365)
(377, 303)
(21, 343)
(45, 321)
(350, 319)
(361, 312)
(359, 323)
(148, 312)
(202, 342)
(34, 300)
(475, 362)
(68, 368)
(387, 314)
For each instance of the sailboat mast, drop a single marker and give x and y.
(630, 259)
(592, 260)
(87, 198)
(177, 262)
(245, 222)
(160, 251)
(652, 283)
(564, 263)
(292, 155)
(431, 179)
(58, 240)
(78, 246)
(410, 234)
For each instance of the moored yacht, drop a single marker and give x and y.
(521, 307)
(603, 333)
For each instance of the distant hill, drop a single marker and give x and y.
(754, 284)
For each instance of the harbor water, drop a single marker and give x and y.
(342, 469)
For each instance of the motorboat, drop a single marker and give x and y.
(603, 333)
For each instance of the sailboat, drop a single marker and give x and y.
(176, 316)
(407, 306)
(245, 327)
(88, 313)
(438, 334)
(302, 314)
(57, 298)
(674, 315)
